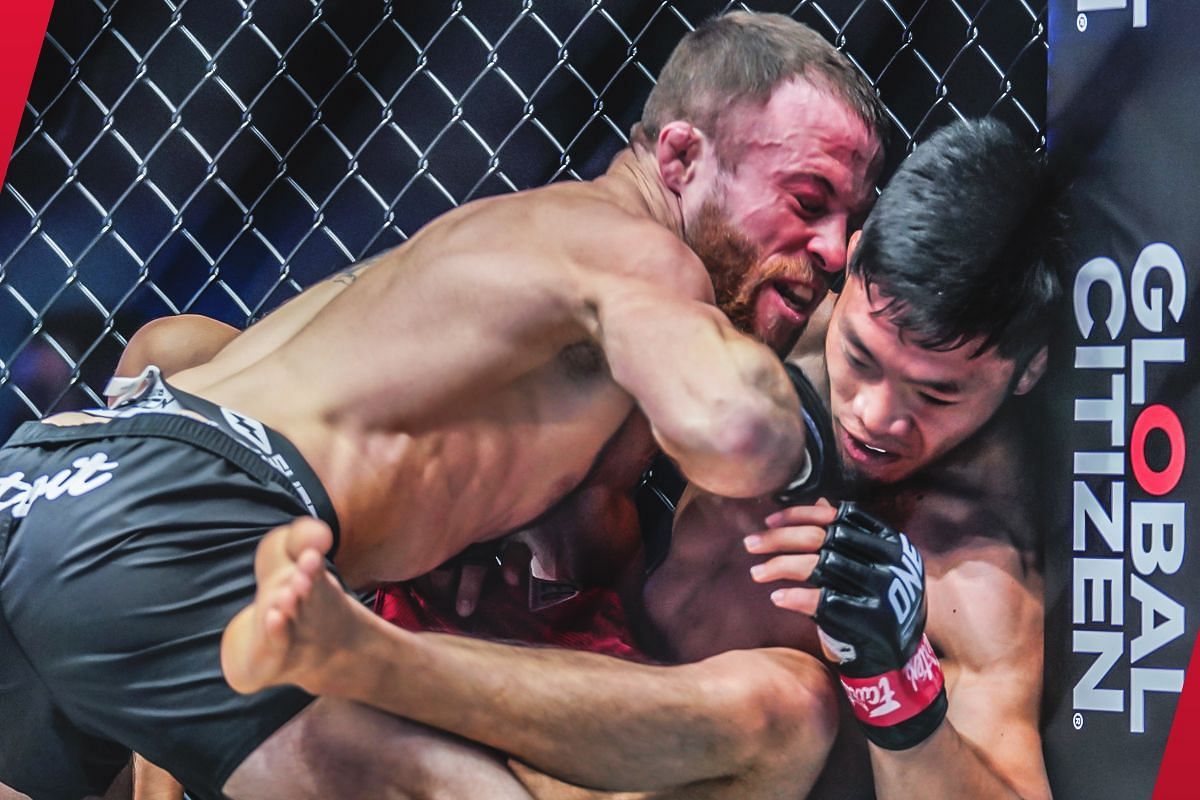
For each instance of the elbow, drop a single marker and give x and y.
(758, 451)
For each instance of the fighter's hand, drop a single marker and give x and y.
(869, 604)
(464, 578)
(796, 533)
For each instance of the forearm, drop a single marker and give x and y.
(945, 766)
(720, 404)
(587, 719)
(748, 445)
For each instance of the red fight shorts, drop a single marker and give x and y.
(594, 620)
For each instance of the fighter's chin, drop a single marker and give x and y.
(858, 479)
(778, 331)
(862, 468)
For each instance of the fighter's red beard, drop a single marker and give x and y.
(736, 267)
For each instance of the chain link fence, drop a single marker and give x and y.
(218, 156)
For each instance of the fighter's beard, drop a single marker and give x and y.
(736, 266)
(729, 258)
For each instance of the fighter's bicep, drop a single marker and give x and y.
(986, 611)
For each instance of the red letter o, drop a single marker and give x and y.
(1161, 418)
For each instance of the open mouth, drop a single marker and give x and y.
(866, 454)
(795, 296)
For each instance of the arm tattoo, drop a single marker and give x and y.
(350, 274)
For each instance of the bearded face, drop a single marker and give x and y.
(768, 298)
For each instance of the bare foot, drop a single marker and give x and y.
(299, 617)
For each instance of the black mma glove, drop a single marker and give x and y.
(871, 615)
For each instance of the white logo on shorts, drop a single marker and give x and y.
(91, 472)
(249, 429)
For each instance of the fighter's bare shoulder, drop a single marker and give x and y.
(974, 519)
(603, 236)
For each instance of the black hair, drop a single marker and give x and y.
(964, 243)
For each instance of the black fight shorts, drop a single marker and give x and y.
(125, 549)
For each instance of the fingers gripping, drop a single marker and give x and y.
(855, 565)
(871, 616)
(863, 537)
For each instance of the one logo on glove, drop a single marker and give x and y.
(895, 696)
(904, 593)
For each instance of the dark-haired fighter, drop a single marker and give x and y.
(945, 314)
(462, 386)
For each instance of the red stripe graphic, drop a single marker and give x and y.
(22, 29)
(1177, 772)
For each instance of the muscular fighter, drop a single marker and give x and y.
(945, 314)
(460, 387)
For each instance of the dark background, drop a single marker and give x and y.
(1122, 125)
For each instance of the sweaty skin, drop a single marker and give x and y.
(971, 516)
(468, 381)
(456, 431)
(731, 721)
(503, 355)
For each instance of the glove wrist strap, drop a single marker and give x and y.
(895, 697)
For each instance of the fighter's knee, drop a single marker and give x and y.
(807, 718)
(781, 704)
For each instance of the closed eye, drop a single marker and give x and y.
(810, 205)
(935, 401)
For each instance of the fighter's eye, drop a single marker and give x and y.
(929, 399)
(855, 361)
(810, 205)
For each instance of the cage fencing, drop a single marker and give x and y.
(218, 156)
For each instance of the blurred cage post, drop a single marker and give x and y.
(219, 156)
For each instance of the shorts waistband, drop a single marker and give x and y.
(277, 461)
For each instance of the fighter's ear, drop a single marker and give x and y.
(1033, 372)
(837, 281)
(852, 245)
(679, 146)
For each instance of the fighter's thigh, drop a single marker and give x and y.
(118, 596)
(336, 748)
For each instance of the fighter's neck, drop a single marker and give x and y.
(633, 177)
(989, 476)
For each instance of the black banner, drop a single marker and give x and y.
(1123, 585)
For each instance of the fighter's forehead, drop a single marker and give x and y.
(805, 131)
(865, 327)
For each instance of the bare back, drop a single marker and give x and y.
(453, 390)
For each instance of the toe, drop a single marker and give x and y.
(305, 534)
